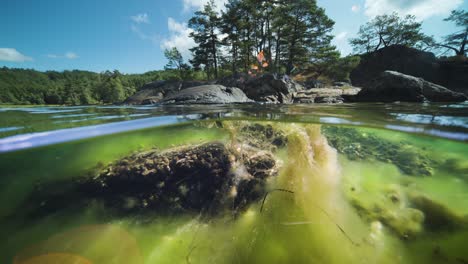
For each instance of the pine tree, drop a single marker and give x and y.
(387, 30)
(457, 41)
(176, 62)
(205, 25)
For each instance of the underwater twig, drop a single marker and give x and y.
(266, 194)
(337, 225)
(187, 258)
(321, 209)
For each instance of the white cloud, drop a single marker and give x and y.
(9, 54)
(69, 55)
(355, 8)
(141, 18)
(422, 9)
(341, 36)
(179, 38)
(341, 42)
(199, 4)
(143, 36)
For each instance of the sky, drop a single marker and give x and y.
(130, 36)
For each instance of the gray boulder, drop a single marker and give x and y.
(207, 94)
(154, 92)
(272, 88)
(393, 86)
(331, 95)
(236, 80)
(448, 73)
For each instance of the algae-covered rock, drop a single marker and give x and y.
(208, 178)
(390, 209)
(356, 145)
(457, 167)
(406, 222)
(203, 178)
(437, 215)
(407, 214)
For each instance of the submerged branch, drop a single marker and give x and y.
(266, 194)
(337, 225)
(309, 222)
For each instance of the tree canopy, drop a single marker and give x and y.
(205, 25)
(457, 41)
(387, 30)
(261, 35)
(176, 62)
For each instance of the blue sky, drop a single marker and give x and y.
(130, 36)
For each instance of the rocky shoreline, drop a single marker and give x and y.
(391, 74)
(389, 86)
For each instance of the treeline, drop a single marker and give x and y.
(255, 36)
(23, 86)
(283, 36)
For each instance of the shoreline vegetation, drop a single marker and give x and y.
(284, 39)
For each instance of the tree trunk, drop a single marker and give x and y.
(278, 50)
(461, 52)
(213, 50)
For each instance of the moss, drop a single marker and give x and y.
(356, 145)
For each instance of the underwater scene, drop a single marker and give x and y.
(367, 183)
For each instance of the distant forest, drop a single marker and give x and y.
(24, 86)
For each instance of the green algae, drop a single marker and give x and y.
(320, 222)
(359, 145)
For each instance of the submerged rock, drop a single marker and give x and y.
(407, 214)
(437, 215)
(208, 178)
(262, 136)
(356, 145)
(390, 209)
(194, 178)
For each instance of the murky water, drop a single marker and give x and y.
(366, 183)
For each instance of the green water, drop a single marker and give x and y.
(345, 205)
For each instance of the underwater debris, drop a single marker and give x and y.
(356, 145)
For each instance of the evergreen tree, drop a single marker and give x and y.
(231, 26)
(457, 41)
(205, 25)
(111, 90)
(387, 30)
(176, 62)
